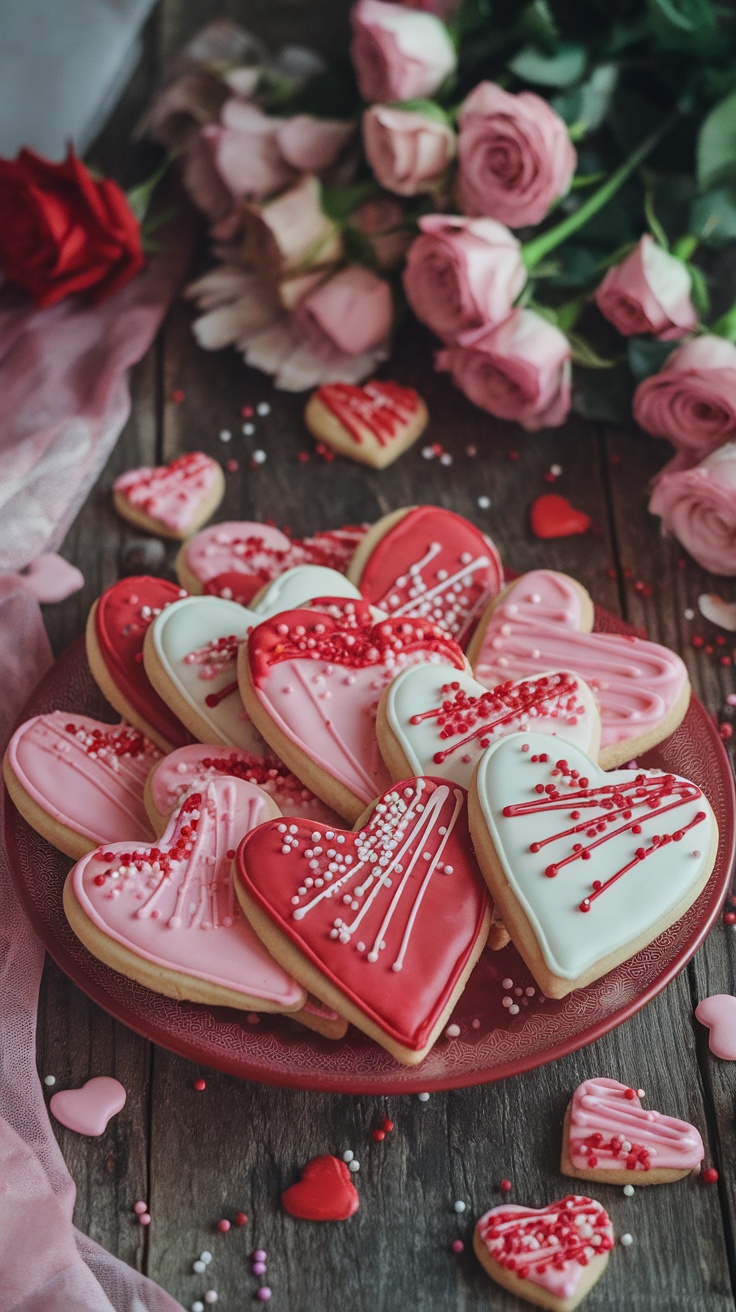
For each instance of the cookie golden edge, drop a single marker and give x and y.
(532, 1293)
(62, 837)
(148, 524)
(327, 428)
(110, 690)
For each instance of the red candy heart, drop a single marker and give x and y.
(324, 1193)
(552, 516)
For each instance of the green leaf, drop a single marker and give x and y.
(429, 108)
(577, 265)
(586, 356)
(699, 293)
(589, 103)
(726, 325)
(646, 355)
(358, 249)
(655, 227)
(713, 216)
(562, 69)
(716, 152)
(339, 202)
(604, 396)
(684, 25)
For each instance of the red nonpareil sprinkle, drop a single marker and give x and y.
(630, 1094)
(611, 572)
(720, 640)
(697, 641)
(231, 466)
(246, 411)
(726, 731)
(505, 1186)
(177, 396)
(726, 660)
(379, 1135)
(709, 1175)
(240, 1218)
(549, 477)
(200, 1084)
(628, 573)
(458, 1246)
(388, 1126)
(302, 457)
(223, 1226)
(730, 917)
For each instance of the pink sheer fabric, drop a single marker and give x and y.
(63, 379)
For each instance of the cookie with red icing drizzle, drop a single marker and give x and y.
(428, 563)
(311, 683)
(585, 867)
(608, 1135)
(115, 634)
(551, 1256)
(384, 924)
(172, 500)
(373, 423)
(235, 560)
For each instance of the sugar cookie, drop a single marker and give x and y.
(609, 1136)
(373, 424)
(236, 559)
(172, 500)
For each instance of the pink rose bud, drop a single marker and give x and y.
(648, 292)
(399, 53)
(353, 310)
(698, 506)
(519, 370)
(514, 156)
(290, 233)
(246, 153)
(408, 151)
(692, 400)
(462, 274)
(313, 144)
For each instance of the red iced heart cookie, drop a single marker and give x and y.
(609, 1136)
(88, 1110)
(311, 682)
(173, 500)
(236, 559)
(166, 914)
(80, 782)
(552, 516)
(718, 1014)
(116, 630)
(541, 622)
(373, 424)
(428, 563)
(550, 1255)
(386, 923)
(325, 1192)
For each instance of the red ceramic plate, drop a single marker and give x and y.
(491, 1044)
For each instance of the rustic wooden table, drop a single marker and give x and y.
(198, 1156)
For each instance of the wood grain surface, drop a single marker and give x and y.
(196, 1156)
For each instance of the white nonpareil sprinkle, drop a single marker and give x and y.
(423, 1097)
(205, 1257)
(628, 1190)
(626, 1241)
(199, 1267)
(197, 1307)
(248, 430)
(484, 503)
(556, 470)
(354, 1166)
(225, 435)
(446, 458)
(689, 614)
(427, 452)
(259, 457)
(263, 408)
(211, 1296)
(49, 1080)
(459, 1206)
(514, 1009)
(452, 1031)
(348, 1155)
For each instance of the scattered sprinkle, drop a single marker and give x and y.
(725, 730)
(225, 435)
(388, 1126)
(263, 408)
(459, 1205)
(348, 1155)
(514, 1009)
(246, 412)
(380, 1135)
(423, 1097)
(211, 1296)
(353, 1166)
(259, 457)
(200, 1084)
(505, 1186)
(139, 1208)
(259, 1269)
(248, 430)
(223, 1226)
(263, 1294)
(144, 1218)
(471, 451)
(205, 1257)
(626, 1241)
(484, 503)
(628, 1190)
(177, 396)
(689, 613)
(198, 1267)
(259, 1255)
(507, 983)
(240, 1218)
(427, 452)
(730, 917)
(458, 1246)
(446, 458)
(198, 1306)
(709, 1175)
(452, 1031)
(556, 470)
(49, 1080)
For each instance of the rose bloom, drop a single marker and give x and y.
(353, 310)
(407, 151)
(648, 292)
(63, 231)
(398, 53)
(692, 400)
(290, 233)
(698, 506)
(519, 370)
(514, 156)
(462, 274)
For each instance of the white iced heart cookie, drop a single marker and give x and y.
(300, 584)
(586, 867)
(436, 719)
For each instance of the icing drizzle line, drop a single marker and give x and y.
(531, 1242)
(379, 407)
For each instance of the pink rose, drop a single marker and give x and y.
(698, 506)
(692, 400)
(246, 153)
(290, 233)
(462, 274)
(648, 292)
(381, 221)
(407, 151)
(313, 144)
(399, 54)
(353, 310)
(519, 370)
(514, 155)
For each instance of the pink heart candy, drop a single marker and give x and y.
(88, 1110)
(718, 1014)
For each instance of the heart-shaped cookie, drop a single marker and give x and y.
(434, 719)
(325, 1192)
(312, 681)
(387, 923)
(166, 915)
(116, 630)
(542, 622)
(88, 1110)
(585, 867)
(79, 782)
(172, 500)
(428, 563)
(300, 584)
(551, 1256)
(553, 516)
(236, 559)
(609, 1136)
(190, 767)
(718, 1014)
(372, 424)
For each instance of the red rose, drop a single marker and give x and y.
(63, 231)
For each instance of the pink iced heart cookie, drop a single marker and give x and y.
(236, 559)
(89, 1109)
(387, 923)
(585, 867)
(372, 424)
(543, 620)
(190, 767)
(551, 1255)
(428, 563)
(608, 1135)
(79, 782)
(173, 500)
(439, 720)
(311, 682)
(166, 914)
(718, 1014)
